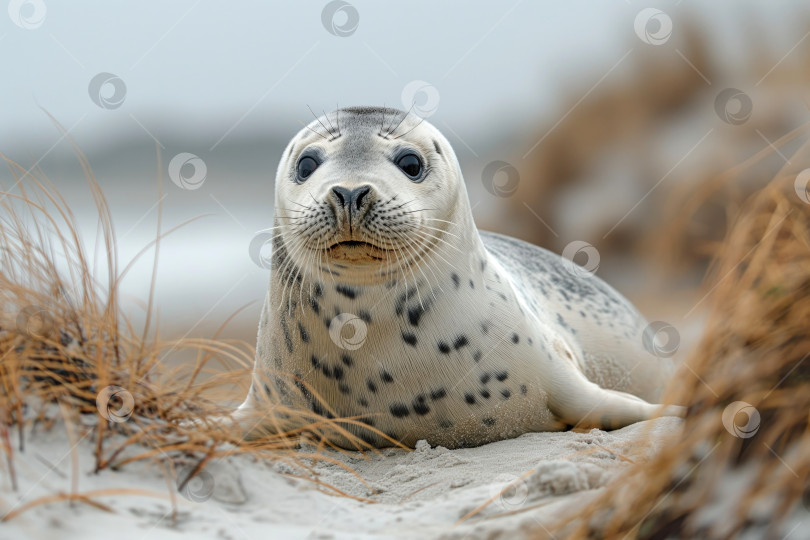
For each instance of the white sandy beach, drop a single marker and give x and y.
(419, 494)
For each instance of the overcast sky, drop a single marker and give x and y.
(205, 68)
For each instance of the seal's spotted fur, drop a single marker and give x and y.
(460, 337)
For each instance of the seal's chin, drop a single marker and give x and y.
(357, 252)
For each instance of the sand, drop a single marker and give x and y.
(425, 493)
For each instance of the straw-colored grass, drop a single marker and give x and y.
(753, 470)
(69, 355)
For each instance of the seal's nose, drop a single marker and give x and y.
(353, 198)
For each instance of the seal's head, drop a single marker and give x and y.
(367, 188)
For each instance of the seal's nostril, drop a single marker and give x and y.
(341, 194)
(359, 194)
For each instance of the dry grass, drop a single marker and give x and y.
(711, 483)
(69, 355)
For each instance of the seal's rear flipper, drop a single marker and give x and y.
(589, 405)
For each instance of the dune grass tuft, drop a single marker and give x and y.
(69, 355)
(742, 462)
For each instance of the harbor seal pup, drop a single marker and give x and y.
(388, 305)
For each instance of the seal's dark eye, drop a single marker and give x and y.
(306, 167)
(410, 165)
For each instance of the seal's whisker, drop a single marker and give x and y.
(436, 252)
(321, 123)
(399, 271)
(392, 131)
(410, 252)
(325, 255)
(285, 268)
(282, 271)
(403, 204)
(442, 220)
(315, 132)
(441, 230)
(304, 206)
(440, 239)
(282, 226)
(413, 128)
(413, 248)
(332, 128)
(404, 260)
(294, 277)
(320, 254)
(304, 268)
(337, 118)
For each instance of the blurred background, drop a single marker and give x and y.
(603, 130)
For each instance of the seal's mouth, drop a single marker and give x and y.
(357, 251)
(354, 244)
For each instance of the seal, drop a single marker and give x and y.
(387, 305)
